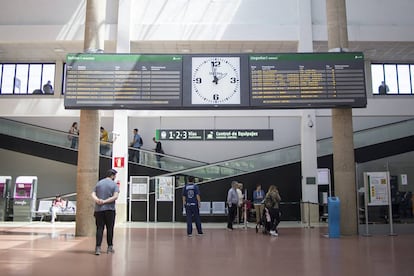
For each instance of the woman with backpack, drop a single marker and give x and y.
(271, 202)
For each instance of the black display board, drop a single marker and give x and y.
(123, 81)
(265, 81)
(307, 80)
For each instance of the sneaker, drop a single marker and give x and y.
(189, 235)
(273, 233)
(98, 250)
(200, 234)
(229, 229)
(110, 250)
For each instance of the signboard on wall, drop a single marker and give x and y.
(219, 81)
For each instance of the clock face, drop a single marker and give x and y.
(215, 80)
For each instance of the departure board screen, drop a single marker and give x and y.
(123, 81)
(307, 80)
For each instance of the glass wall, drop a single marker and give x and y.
(400, 191)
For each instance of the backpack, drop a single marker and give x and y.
(141, 141)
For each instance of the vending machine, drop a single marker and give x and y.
(5, 184)
(24, 195)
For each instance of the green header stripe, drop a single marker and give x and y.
(308, 57)
(122, 58)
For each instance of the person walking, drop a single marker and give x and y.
(105, 194)
(272, 201)
(191, 202)
(232, 204)
(258, 196)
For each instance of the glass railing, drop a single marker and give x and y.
(292, 154)
(35, 133)
(65, 140)
(163, 161)
(372, 136)
(243, 165)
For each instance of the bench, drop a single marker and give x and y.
(207, 208)
(44, 209)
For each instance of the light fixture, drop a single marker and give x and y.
(310, 121)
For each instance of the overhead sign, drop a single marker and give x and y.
(219, 81)
(215, 134)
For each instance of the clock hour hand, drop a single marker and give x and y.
(218, 76)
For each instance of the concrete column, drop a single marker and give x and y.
(309, 163)
(120, 146)
(88, 154)
(342, 130)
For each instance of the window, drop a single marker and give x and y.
(23, 79)
(397, 78)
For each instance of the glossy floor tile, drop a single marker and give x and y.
(164, 249)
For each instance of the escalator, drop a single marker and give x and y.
(55, 145)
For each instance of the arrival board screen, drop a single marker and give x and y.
(307, 80)
(123, 81)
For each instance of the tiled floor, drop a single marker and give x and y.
(40, 248)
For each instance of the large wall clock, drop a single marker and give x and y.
(215, 80)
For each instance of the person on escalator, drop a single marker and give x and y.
(74, 135)
(158, 149)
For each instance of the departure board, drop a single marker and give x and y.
(215, 81)
(123, 81)
(307, 80)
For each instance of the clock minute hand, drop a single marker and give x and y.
(214, 73)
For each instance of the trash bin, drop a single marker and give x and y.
(334, 216)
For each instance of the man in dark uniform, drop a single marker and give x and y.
(191, 202)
